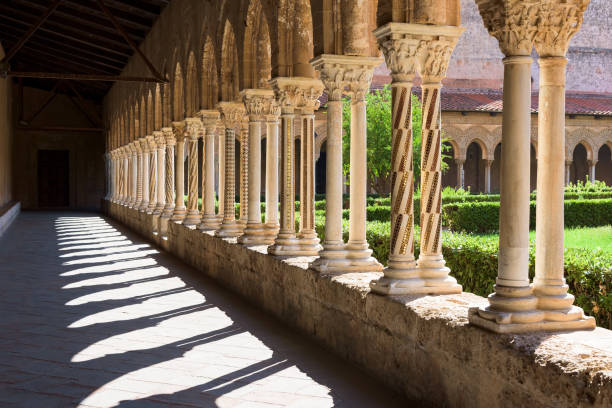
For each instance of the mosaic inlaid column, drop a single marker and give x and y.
(152, 175)
(179, 181)
(513, 302)
(297, 93)
(169, 134)
(194, 130)
(244, 172)
(559, 23)
(286, 243)
(258, 102)
(232, 114)
(221, 171)
(144, 146)
(209, 221)
(400, 51)
(160, 141)
(432, 68)
(272, 225)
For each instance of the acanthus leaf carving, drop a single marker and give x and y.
(557, 24)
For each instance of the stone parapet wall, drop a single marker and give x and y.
(420, 346)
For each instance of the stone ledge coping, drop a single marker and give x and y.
(422, 346)
(8, 213)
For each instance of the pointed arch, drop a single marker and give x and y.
(257, 48)
(142, 119)
(157, 106)
(229, 65)
(178, 98)
(210, 82)
(191, 86)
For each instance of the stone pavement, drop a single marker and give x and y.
(93, 316)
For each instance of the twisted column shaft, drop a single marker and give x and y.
(179, 206)
(161, 174)
(152, 176)
(169, 176)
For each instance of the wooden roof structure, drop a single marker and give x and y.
(83, 44)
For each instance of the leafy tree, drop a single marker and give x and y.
(379, 130)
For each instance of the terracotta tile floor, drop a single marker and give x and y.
(93, 316)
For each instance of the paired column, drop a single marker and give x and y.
(152, 175)
(460, 173)
(409, 48)
(123, 174)
(160, 141)
(232, 114)
(272, 226)
(168, 210)
(209, 221)
(513, 307)
(244, 172)
(294, 93)
(221, 171)
(257, 102)
(194, 130)
(134, 175)
(353, 75)
(179, 207)
(592, 165)
(139, 165)
(488, 164)
(145, 147)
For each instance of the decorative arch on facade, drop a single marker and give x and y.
(178, 98)
(210, 82)
(257, 48)
(229, 65)
(482, 137)
(191, 86)
(581, 136)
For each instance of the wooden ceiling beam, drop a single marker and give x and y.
(150, 10)
(91, 114)
(67, 56)
(135, 21)
(31, 31)
(109, 38)
(82, 77)
(127, 38)
(50, 97)
(77, 38)
(83, 66)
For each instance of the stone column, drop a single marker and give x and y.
(272, 226)
(160, 141)
(169, 134)
(432, 68)
(568, 165)
(244, 172)
(297, 93)
(144, 146)
(221, 171)
(460, 173)
(286, 243)
(133, 175)
(232, 114)
(210, 221)
(120, 155)
(179, 206)
(592, 165)
(558, 24)
(487, 175)
(257, 102)
(408, 47)
(194, 130)
(139, 165)
(115, 172)
(152, 175)
(512, 304)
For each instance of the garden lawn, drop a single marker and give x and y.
(579, 238)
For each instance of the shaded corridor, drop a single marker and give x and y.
(93, 316)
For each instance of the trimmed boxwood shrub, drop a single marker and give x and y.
(484, 216)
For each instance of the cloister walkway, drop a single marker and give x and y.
(93, 316)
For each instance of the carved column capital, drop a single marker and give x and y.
(232, 113)
(434, 58)
(179, 130)
(151, 142)
(558, 22)
(168, 134)
(258, 102)
(160, 140)
(297, 93)
(346, 74)
(193, 128)
(514, 23)
(144, 145)
(209, 118)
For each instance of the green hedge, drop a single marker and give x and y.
(484, 216)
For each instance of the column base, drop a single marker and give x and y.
(287, 245)
(229, 229)
(498, 321)
(361, 259)
(159, 210)
(254, 235)
(433, 271)
(272, 230)
(309, 243)
(178, 215)
(167, 212)
(209, 223)
(192, 218)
